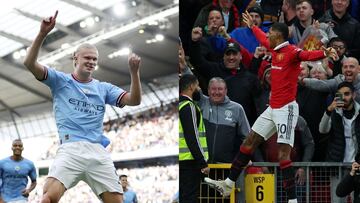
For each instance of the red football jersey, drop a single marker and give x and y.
(285, 68)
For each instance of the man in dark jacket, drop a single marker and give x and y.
(351, 182)
(232, 71)
(345, 26)
(230, 11)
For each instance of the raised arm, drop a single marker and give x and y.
(134, 97)
(329, 85)
(259, 34)
(318, 54)
(30, 61)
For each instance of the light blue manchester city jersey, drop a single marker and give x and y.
(14, 177)
(80, 106)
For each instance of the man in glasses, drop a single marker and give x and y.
(340, 46)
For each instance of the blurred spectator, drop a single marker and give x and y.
(209, 43)
(305, 21)
(351, 182)
(139, 133)
(229, 11)
(345, 26)
(272, 9)
(317, 71)
(340, 46)
(305, 71)
(188, 12)
(289, 11)
(354, 9)
(215, 21)
(350, 70)
(320, 6)
(129, 195)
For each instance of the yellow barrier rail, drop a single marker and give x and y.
(256, 187)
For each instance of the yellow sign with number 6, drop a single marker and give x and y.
(259, 188)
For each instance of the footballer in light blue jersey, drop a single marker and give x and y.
(80, 106)
(14, 173)
(129, 195)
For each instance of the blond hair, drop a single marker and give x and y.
(80, 47)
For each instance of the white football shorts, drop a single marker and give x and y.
(281, 121)
(88, 162)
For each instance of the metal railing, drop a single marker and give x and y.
(319, 186)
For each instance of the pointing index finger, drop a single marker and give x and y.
(56, 13)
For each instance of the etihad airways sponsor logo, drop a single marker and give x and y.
(86, 107)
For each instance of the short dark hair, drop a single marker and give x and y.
(215, 8)
(336, 39)
(186, 81)
(123, 176)
(16, 140)
(302, 1)
(258, 10)
(346, 84)
(282, 28)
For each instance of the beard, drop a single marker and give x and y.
(196, 95)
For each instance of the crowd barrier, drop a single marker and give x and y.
(255, 186)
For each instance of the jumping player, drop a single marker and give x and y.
(79, 106)
(282, 114)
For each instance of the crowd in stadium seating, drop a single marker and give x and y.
(155, 128)
(155, 184)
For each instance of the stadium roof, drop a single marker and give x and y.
(147, 27)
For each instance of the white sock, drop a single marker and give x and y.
(293, 201)
(229, 182)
